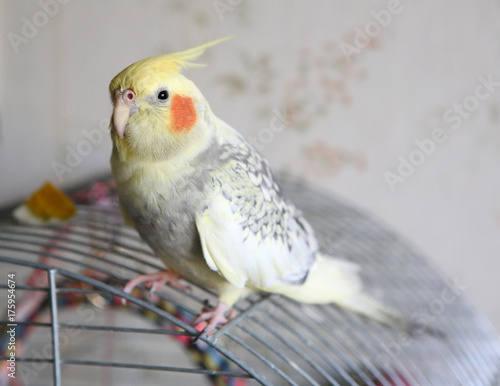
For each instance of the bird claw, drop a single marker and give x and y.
(206, 306)
(213, 317)
(155, 281)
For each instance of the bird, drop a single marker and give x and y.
(209, 205)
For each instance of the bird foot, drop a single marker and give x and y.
(155, 281)
(214, 317)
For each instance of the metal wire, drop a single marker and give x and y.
(54, 328)
(273, 340)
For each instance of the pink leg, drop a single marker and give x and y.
(214, 317)
(155, 281)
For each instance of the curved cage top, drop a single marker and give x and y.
(69, 282)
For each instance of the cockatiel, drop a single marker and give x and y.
(207, 203)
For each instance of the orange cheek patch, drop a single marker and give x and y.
(182, 114)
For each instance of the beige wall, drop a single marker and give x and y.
(352, 116)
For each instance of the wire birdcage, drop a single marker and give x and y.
(71, 327)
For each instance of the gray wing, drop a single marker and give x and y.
(249, 232)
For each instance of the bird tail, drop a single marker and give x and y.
(332, 280)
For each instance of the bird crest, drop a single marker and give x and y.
(161, 65)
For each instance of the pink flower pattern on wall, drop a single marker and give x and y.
(319, 80)
(325, 161)
(322, 76)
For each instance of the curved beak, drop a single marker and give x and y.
(124, 101)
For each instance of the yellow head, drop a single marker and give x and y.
(156, 109)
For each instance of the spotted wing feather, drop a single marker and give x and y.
(249, 232)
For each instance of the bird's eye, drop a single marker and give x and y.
(163, 95)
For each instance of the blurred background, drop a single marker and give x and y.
(393, 105)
